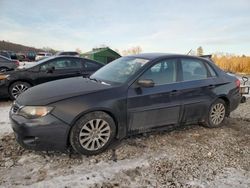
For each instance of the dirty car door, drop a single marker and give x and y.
(155, 106)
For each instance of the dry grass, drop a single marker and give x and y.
(239, 64)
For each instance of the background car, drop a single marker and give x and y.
(42, 55)
(68, 53)
(5, 54)
(131, 95)
(7, 64)
(15, 82)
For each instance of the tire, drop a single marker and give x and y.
(17, 88)
(88, 142)
(217, 114)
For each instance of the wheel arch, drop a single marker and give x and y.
(105, 110)
(21, 80)
(227, 102)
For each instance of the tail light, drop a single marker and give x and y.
(237, 82)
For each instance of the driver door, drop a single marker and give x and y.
(155, 106)
(63, 68)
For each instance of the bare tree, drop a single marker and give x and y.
(200, 51)
(132, 50)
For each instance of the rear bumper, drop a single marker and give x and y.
(234, 101)
(46, 133)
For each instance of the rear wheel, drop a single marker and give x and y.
(17, 88)
(217, 114)
(92, 133)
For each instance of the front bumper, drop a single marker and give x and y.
(3, 89)
(47, 133)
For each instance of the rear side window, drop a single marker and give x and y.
(62, 64)
(91, 66)
(211, 70)
(193, 69)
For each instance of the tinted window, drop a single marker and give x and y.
(193, 69)
(211, 70)
(62, 64)
(89, 66)
(163, 72)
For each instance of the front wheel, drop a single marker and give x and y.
(92, 133)
(217, 114)
(17, 88)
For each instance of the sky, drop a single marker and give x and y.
(172, 26)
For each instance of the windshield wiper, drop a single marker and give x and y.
(94, 79)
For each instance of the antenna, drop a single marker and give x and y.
(189, 52)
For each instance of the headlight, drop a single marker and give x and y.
(3, 76)
(32, 112)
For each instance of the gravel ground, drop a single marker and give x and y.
(192, 156)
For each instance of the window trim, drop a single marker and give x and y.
(205, 65)
(164, 59)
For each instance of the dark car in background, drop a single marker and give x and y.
(7, 64)
(13, 83)
(133, 94)
(68, 53)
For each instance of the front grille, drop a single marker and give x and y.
(15, 107)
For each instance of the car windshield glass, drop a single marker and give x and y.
(120, 70)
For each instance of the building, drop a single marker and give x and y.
(104, 55)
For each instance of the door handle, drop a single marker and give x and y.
(211, 86)
(174, 92)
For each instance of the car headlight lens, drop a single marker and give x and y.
(3, 76)
(32, 112)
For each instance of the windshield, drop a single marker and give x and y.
(120, 70)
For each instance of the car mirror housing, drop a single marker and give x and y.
(146, 83)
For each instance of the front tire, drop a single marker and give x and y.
(17, 88)
(216, 114)
(92, 133)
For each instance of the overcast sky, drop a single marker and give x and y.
(156, 25)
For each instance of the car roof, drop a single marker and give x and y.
(153, 56)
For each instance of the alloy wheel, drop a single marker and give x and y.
(217, 113)
(18, 89)
(94, 134)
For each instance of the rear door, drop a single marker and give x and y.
(154, 106)
(198, 81)
(64, 67)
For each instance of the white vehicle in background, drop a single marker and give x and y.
(42, 55)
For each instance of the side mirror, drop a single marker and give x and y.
(146, 83)
(50, 69)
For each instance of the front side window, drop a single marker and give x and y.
(193, 69)
(161, 73)
(59, 64)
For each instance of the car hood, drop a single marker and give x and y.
(50, 92)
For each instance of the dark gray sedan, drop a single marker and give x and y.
(130, 95)
(7, 64)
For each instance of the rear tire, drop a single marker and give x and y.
(17, 88)
(217, 114)
(92, 133)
